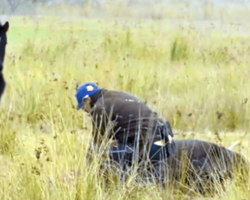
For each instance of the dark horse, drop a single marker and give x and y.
(3, 41)
(196, 165)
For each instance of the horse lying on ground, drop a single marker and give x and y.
(198, 165)
(3, 41)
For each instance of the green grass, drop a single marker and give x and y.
(200, 83)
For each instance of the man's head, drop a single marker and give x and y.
(83, 93)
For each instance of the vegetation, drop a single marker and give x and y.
(197, 81)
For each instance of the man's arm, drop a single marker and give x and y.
(102, 122)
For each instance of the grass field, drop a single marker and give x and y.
(198, 81)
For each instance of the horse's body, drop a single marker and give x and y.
(3, 41)
(196, 163)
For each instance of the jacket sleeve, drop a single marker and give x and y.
(102, 123)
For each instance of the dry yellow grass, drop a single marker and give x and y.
(199, 82)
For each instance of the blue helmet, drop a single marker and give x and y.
(83, 91)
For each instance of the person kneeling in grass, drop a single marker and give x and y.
(124, 118)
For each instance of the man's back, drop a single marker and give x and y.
(130, 115)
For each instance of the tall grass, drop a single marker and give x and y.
(198, 82)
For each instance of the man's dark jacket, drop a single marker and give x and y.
(125, 116)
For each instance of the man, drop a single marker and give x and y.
(125, 118)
